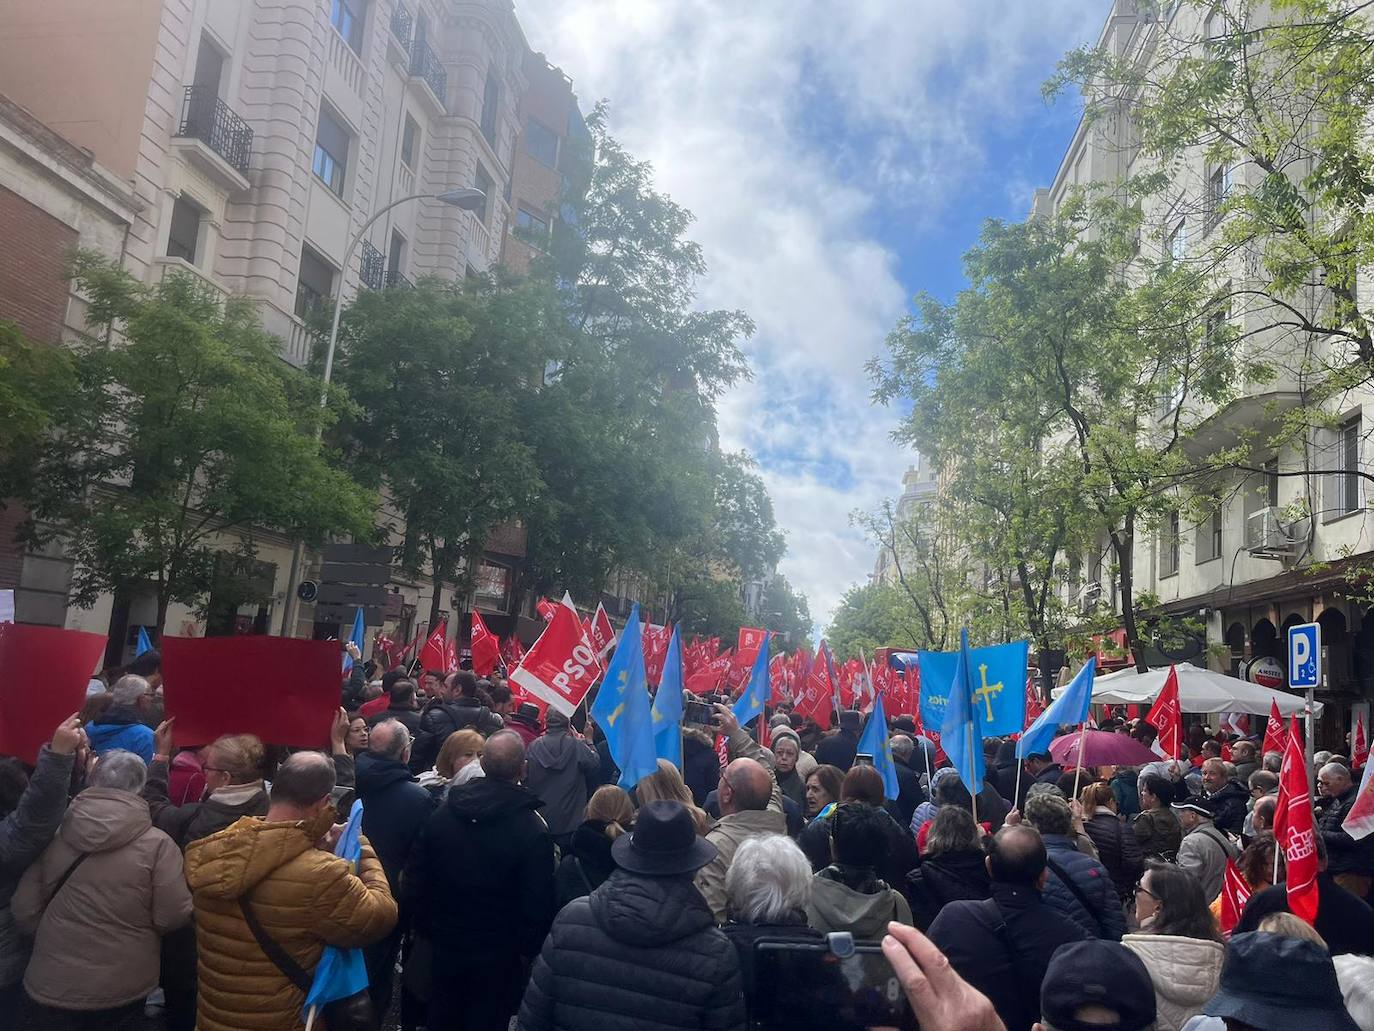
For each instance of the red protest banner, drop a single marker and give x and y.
(561, 666)
(486, 647)
(1295, 829)
(46, 673)
(281, 689)
(747, 648)
(1166, 716)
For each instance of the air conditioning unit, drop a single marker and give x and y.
(1266, 536)
(1092, 594)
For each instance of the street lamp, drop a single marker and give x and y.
(466, 198)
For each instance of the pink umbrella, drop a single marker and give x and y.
(1100, 748)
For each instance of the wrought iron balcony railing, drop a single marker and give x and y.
(424, 64)
(401, 25)
(396, 281)
(373, 267)
(206, 117)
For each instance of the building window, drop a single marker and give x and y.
(491, 99)
(347, 17)
(183, 238)
(541, 143)
(1176, 243)
(1209, 538)
(396, 253)
(410, 142)
(1168, 545)
(535, 228)
(314, 284)
(483, 182)
(209, 74)
(1271, 483)
(1343, 481)
(331, 152)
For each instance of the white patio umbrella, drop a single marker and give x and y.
(1199, 690)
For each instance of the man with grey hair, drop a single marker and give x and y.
(1273, 762)
(480, 882)
(1227, 797)
(1262, 785)
(395, 809)
(767, 891)
(746, 787)
(124, 723)
(98, 901)
(1349, 862)
(909, 793)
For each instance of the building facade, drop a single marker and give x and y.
(1286, 542)
(248, 142)
(920, 487)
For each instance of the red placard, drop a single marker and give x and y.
(282, 689)
(46, 670)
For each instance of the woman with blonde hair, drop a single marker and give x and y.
(1118, 849)
(588, 862)
(459, 761)
(667, 784)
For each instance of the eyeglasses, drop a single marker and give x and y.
(1140, 886)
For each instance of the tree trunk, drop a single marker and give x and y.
(163, 601)
(440, 566)
(1123, 542)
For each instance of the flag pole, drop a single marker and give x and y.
(1016, 794)
(971, 760)
(1082, 740)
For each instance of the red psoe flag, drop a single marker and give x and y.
(1235, 892)
(1360, 748)
(817, 697)
(603, 634)
(561, 666)
(46, 670)
(434, 654)
(1294, 828)
(1166, 716)
(747, 649)
(545, 608)
(1273, 730)
(486, 646)
(656, 639)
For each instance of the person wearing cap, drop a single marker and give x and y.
(562, 768)
(524, 719)
(1273, 982)
(1205, 849)
(1093, 985)
(786, 751)
(642, 950)
(838, 749)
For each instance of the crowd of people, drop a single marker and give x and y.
(506, 877)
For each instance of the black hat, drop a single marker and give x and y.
(1272, 980)
(1196, 803)
(905, 723)
(664, 842)
(850, 719)
(528, 711)
(1097, 973)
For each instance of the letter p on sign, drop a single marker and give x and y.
(1304, 656)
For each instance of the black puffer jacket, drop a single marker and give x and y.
(395, 809)
(1118, 849)
(438, 719)
(587, 865)
(1230, 804)
(1344, 853)
(638, 954)
(947, 877)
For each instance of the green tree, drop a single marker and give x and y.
(176, 441)
(442, 378)
(786, 611)
(872, 616)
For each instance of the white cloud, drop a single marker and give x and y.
(796, 131)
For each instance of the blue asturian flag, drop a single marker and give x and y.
(340, 972)
(622, 708)
(997, 675)
(356, 637)
(667, 707)
(750, 703)
(874, 741)
(1070, 707)
(143, 645)
(961, 733)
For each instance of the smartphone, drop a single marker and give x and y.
(863, 759)
(830, 985)
(699, 713)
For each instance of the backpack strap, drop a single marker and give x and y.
(1067, 881)
(280, 958)
(81, 857)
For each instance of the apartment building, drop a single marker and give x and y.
(920, 486)
(248, 143)
(1282, 544)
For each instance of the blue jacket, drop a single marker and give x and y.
(121, 727)
(1103, 917)
(395, 810)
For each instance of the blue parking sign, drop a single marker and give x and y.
(1305, 656)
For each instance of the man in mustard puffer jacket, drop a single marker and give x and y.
(303, 896)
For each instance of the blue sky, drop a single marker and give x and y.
(839, 158)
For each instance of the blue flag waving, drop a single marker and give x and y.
(667, 708)
(143, 645)
(997, 677)
(874, 741)
(749, 705)
(961, 734)
(622, 709)
(1070, 707)
(340, 972)
(355, 636)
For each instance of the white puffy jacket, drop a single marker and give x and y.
(1184, 972)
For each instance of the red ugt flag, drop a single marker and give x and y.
(1167, 717)
(1294, 829)
(1235, 892)
(1273, 730)
(486, 647)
